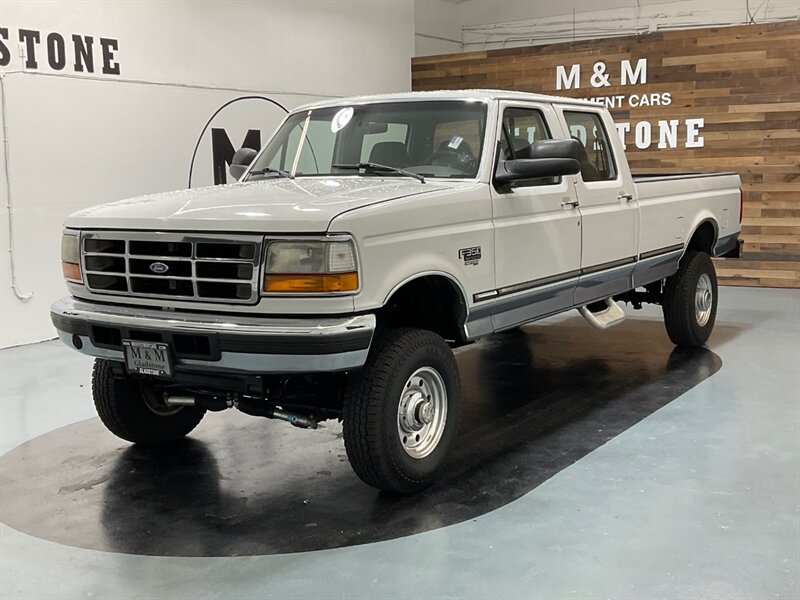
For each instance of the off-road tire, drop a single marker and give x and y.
(679, 301)
(371, 403)
(121, 406)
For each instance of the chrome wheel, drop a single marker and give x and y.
(422, 412)
(703, 299)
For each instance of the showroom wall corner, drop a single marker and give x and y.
(105, 101)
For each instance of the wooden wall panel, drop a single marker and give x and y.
(743, 81)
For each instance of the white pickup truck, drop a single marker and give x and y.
(366, 239)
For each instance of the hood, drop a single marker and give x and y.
(305, 205)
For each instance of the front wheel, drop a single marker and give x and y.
(690, 300)
(401, 411)
(132, 410)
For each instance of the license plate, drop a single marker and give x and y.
(147, 358)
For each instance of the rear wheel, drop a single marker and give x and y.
(690, 300)
(132, 410)
(401, 411)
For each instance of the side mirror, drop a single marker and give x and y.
(556, 149)
(241, 160)
(547, 158)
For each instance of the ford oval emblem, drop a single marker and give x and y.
(159, 267)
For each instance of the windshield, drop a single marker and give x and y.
(432, 139)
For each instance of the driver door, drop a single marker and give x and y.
(537, 226)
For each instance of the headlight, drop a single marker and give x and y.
(310, 267)
(70, 257)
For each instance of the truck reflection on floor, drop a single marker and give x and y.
(535, 401)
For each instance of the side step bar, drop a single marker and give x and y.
(605, 318)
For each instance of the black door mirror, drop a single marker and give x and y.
(547, 158)
(241, 160)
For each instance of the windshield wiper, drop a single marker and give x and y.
(268, 170)
(371, 166)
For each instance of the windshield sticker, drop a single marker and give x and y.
(341, 119)
(455, 142)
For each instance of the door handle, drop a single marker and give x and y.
(569, 203)
(624, 196)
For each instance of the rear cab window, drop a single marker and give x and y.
(595, 154)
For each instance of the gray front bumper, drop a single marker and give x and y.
(233, 344)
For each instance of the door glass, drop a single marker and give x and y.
(521, 128)
(594, 154)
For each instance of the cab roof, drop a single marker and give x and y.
(477, 94)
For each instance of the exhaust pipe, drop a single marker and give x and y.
(248, 406)
(207, 402)
(179, 400)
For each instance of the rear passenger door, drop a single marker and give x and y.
(608, 208)
(537, 232)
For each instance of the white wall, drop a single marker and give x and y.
(437, 27)
(76, 139)
(492, 24)
(508, 23)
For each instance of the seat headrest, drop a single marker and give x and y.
(391, 154)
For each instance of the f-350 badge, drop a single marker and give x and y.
(471, 256)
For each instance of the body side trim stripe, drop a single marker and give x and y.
(660, 251)
(609, 265)
(527, 285)
(521, 287)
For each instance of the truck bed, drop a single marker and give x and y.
(648, 177)
(673, 205)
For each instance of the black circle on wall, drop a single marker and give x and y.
(216, 112)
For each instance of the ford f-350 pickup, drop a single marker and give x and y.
(366, 239)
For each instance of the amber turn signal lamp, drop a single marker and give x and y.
(311, 283)
(71, 270)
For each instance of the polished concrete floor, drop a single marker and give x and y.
(591, 464)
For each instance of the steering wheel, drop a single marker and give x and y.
(450, 157)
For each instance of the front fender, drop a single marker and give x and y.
(445, 232)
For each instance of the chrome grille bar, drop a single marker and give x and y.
(205, 268)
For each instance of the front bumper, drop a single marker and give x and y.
(218, 343)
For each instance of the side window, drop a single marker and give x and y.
(521, 128)
(597, 162)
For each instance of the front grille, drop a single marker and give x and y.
(172, 265)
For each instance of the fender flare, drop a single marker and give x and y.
(462, 318)
(462, 292)
(714, 225)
